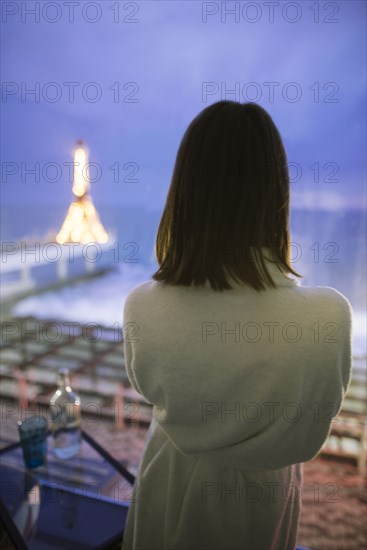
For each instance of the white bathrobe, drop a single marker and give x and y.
(244, 387)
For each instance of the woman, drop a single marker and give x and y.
(245, 367)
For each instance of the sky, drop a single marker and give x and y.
(128, 78)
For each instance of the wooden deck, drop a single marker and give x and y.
(348, 434)
(33, 350)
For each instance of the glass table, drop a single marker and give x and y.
(79, 504)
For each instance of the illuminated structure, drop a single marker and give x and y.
(82, 224)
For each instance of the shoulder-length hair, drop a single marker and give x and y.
(229, 196)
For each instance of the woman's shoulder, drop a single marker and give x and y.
(322, 298)
(327, 293)
(327, 299)
(141, 292)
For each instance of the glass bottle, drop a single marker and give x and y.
(65, 418)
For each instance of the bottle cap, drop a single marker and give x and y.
(63, 376)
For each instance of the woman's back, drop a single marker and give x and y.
(211, 360)
(245, 385)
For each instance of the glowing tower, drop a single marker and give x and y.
(82, 224)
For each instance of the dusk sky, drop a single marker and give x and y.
(316, 64)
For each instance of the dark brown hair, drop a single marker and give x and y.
(229, 196)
